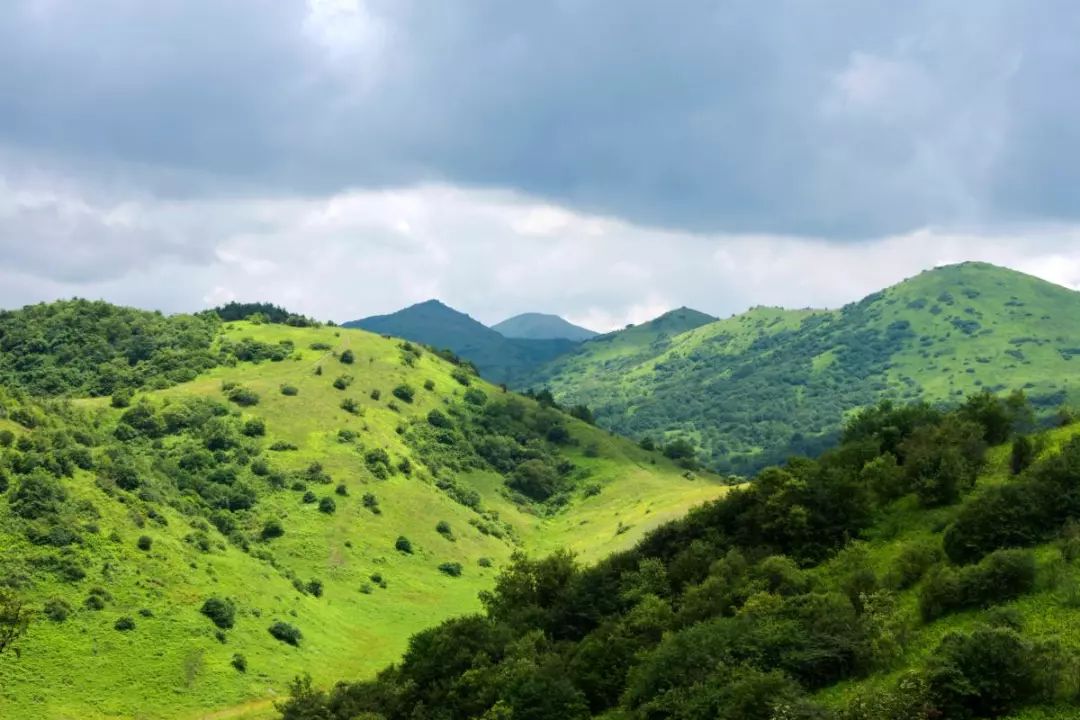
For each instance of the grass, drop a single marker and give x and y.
(172, 665)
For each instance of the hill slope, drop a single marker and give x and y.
(265, 485)
(751, 389)
(541, 326)
(845, 588)
(499, 359)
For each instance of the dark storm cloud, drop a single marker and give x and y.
(840, 119)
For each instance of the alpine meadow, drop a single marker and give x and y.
(607, 360)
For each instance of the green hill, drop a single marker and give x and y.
(541, 326)
(352, 487)
(499, 359)
(751, 389)
(908, 574)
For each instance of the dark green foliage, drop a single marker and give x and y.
(343, 381)
(461, 376)
(37, 495)
(242, 396)
(239, 662)
(443, 528)
(341, 490)
(79, 347)
(327, 505)
(289, 390)
(942, 461)
(429, 385)
(1000, 576)
(286, 633)
(221, 611)
(121, 398)
(453, 569)
(583, 413)
(309, 498)
(262, 312)
(57, 609)
(124, 624)
(144, 542)
(437, 418)
(376, 394)
(272, 529)
(1022, 455)
(350, 406)
(372, 503)
(347, 357)
(314, 588)
(474, 396)
(404, 392)
(402, 544)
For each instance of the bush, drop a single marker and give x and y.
(327, 505)
(372, 503)
(314, 587)
(144, 542)
(375, 394)
(289, 390)
(347, 357)
(461, 376)
(341, 490)
(239, 662)
(402, 544)
(1000, 576)
(443, 528)
(242, 396)
(404, 392)
(222, 611)
(254, 427)
(484, 562)
(475, 397)
(286, 633)
(124, 624)
(121, 398)
(343, 381)
(272, 529)
(57, 609)
(350, 406)
(437, 418)
(453, 569)
(1023, 454)
(309, 497)
(429, 385)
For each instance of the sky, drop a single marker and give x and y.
(603, 160)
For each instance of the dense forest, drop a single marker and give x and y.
(752, 606)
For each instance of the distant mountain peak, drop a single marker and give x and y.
(541, 326)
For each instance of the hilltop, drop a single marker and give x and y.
(751, 389)
(541, 326)
(288, 499)
(499, 359)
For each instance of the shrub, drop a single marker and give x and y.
(309, 497)
(429, 385)
(341, 490)
(1000, 576)
(404, 392)
(272, 529)
(282, 446)
(402, 544)
(372, 503)
(286, 633)
(254, 427)
(121, 398)
(484, 562)
(289, 390)
(443, 528)
(912, 563)
(94, 602)
(343, 381)
(346, 436)
(375, 394)
(327, 505)
(476, 397)
(453, 569)
(124, 624)
(144, 542)
(347, 357)
(314, 587)
(461, 376)
(239, 662)
(437, 418)
(242, 396)
(221, 611)
(1023, 454)
(57, 609)
(350, 406)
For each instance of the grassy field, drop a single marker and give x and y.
(172, 665)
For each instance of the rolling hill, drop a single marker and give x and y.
(751, 389)
(911, 573)
(541, 326)
(499, 359)
(173, 537)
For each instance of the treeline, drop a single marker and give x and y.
(752, 602)
(262, 312)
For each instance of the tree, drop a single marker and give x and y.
(15, 618)
(347, 357)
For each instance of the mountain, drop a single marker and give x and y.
(751, 389)
(234, 483)
(909, 573)
(499, 359)
(541, 326)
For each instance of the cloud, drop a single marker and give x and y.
(491, 253)
(838, 120)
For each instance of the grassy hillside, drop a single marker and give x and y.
(751, 389)
(541, 326)
(499, 359)
(844, 588)
(137, 515)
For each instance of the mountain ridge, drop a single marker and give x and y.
(542, 326)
